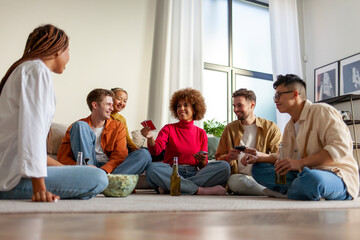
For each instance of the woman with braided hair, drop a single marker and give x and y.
(27, 106)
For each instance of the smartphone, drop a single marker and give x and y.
(203, 152)
(241, 148)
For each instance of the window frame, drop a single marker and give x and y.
(230, 69)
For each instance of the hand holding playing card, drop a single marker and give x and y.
(148, 126)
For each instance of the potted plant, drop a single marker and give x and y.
(214, 127)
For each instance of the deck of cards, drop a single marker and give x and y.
(148, 123)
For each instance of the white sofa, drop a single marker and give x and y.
(57, 132)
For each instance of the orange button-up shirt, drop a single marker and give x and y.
(113, 142)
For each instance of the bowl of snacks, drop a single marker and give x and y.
(120, 185)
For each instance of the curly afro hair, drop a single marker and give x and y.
(192, 96)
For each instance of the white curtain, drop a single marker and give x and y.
(177, 55)
(285, 44)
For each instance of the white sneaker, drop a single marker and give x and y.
(274, 194)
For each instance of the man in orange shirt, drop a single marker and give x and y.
(102, 140)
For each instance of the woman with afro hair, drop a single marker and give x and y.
(189, 143)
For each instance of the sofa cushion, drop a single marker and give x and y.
(55, 136)
(213, 143)
(139, 140)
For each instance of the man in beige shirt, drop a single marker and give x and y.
(250, 131)
(318, 160)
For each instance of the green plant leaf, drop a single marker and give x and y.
(214, 127)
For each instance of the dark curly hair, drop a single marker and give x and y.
(192, 96)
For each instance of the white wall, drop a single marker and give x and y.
(110, 46)
(330, 33)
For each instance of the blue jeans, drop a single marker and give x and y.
(215, 173)
(309, 184)
(83, 139)
(68, 182)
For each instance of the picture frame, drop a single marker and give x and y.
(326, 81)
(350, 75)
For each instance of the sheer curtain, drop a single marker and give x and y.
(177, 55)
(285, 44)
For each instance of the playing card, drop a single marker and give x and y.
(148, 123)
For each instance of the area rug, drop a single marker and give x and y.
(151, 202)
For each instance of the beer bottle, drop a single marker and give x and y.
(280, 179)
(175, 179)
(79, 159)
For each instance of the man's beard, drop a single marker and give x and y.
(242, 117)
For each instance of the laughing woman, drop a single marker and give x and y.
(27, 106)
(119, 103)
(185, 141)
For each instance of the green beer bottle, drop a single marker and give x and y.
(175, 179)
(280, 179)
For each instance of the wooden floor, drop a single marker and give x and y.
(277, 224)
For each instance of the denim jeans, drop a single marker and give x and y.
(309, 184)
(68, 182)
(215, 173)
(83, 139)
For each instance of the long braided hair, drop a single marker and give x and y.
(44, 41)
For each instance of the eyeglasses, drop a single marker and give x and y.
(278, 95)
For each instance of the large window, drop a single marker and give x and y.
(237, 54)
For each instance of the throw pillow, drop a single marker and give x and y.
(139, 140)
(55, 136)
(213, 143)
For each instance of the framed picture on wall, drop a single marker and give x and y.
(326, 81)
(350, 75)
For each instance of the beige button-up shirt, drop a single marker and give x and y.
(267, 139)
(321, 127)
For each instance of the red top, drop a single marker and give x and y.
(182, 139)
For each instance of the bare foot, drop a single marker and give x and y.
(215, 190)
